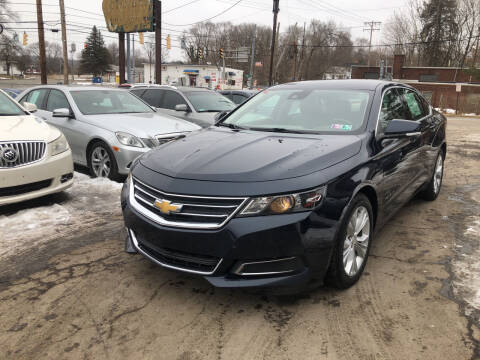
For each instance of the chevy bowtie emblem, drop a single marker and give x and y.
(166, 207)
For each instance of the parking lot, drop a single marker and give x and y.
(68, 290)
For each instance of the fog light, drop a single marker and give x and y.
(268, 267)
(66, 177)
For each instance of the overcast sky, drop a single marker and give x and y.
(83, 14)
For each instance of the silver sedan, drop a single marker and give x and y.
(106, 128)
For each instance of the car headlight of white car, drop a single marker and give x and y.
(129, 139)
(59, 145)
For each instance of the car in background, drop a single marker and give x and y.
(12, 92)
(238, 96)
(106, 128)
(197, 105)
(35, 158)
(289, 189)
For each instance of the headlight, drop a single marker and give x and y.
(283, 204)
(128, 139)
(59, 145)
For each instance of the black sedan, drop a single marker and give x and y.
(288, 189)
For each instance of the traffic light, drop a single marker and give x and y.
(25, 38)
(141, 39)
(221, 53)
(200, 53)
(169, 42)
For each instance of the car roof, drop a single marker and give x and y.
(76, 87)
(350, 84)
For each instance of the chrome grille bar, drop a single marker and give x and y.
(197, 212)
(28, 152)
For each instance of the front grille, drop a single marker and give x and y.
(180, 260)
(27, 152)
(196, 211)
(26, 188)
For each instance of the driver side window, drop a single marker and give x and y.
(57, 100)
(392, 108)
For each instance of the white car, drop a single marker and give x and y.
(35, 158)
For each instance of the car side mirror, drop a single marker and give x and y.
(62, 112)
(397, 128)
(181, 107)
(30, 107)
(219, 116)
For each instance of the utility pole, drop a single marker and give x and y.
(252, 56)
(133, 60)
(371, 26)
(274, 33)
(64, 42)
(41, 43)
(129, 60)
(158, 41)
(121, 58)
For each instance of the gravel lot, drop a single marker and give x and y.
(68, 290)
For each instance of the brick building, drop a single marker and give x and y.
(444, 87)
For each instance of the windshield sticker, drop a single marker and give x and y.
(341, 127)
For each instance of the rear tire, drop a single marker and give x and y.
(101, 161)
(435, 184)
(352, 245)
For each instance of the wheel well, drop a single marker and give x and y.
(89, 146)
(371, 194)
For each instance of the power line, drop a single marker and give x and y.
(208, 19)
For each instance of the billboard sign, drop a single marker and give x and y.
(126, 16)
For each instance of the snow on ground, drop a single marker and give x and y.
(467, 266)
(87, 203)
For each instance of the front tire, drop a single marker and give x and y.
(352, 244)
(435, 184)
(101, 161)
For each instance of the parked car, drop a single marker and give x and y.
(35, 159)
(238, 96)
(197, 105)
(106, 128)
(290, 187)
(12, 92)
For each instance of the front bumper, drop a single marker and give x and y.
(125, 155)
(44, 178)
(284, 251)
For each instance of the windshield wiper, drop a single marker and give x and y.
(210, 111)
(231, 126)
(280, 130)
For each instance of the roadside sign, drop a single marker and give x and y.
(459, 87)
(127, 16)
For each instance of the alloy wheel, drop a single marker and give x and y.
(101, 164)
(438, 174)
(356, 241)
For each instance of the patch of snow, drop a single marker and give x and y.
(88, 202)
(470, 114)
(467, 271)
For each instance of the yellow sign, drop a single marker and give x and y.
(128, 15)
(166, 207)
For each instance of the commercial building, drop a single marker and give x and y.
(195, 75)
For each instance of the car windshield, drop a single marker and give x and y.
(303, 110)
(94, 102)
(8, 107)
(209, 101)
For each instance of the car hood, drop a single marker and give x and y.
(220, 154)
(26, 128)
(140, 124)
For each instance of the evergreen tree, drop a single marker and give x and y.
(439, 23)
(95, 56)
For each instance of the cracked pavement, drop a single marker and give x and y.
(68, 291)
